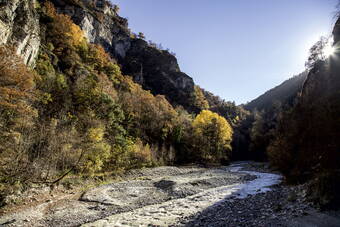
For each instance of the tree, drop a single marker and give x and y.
(199, 99)
(62, 32)
(212, 137)
(16, 119)
(317, 52)
(259, 136)
(16, 85)
(141, 35)
(116, 8)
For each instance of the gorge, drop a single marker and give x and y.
(99, 127)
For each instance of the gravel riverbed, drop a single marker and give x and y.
(242, 194)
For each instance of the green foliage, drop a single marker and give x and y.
(261, 133)
(61, 82)
(96, 151)
(141, 35)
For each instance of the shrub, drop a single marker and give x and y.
(142, 155)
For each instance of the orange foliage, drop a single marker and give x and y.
(96, 56)
(16, 82)
(150, 115)
(64, 32)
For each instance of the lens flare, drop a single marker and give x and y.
(328, 50)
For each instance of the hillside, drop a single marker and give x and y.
(309, 132)
(284, 93)
(155, 69)
(70, 103)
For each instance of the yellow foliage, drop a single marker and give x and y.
(141, 154)
(96, 150)
(212, 136)
(96, 134)
(206, 118)
(65, 32)
(96, 155)
(76, 34)
(100, 55)
(199, 99)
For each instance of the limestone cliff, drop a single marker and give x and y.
(19, 26)
(156, 70)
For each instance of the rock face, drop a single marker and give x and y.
(19, 26)
(156, 70)
(99, 22)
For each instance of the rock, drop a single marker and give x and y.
(19, 26)
(156, 70)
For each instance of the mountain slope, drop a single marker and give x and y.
(283, 93)
(306, 143)
(155, 69)
(71, 109)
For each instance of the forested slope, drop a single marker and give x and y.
(68, 107)
(284, 93)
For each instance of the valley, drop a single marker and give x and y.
(99, 126)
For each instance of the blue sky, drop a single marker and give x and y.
(237, 49)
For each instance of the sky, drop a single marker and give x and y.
(237, 49)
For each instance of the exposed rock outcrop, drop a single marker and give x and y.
(100, 23)
(156, 70)
(19, 26)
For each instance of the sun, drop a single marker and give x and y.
(328, 50)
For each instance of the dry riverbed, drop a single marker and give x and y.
(243, 194)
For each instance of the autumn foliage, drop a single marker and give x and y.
(212, 137)
(82, 116)
(16, 82)
(16, 116)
